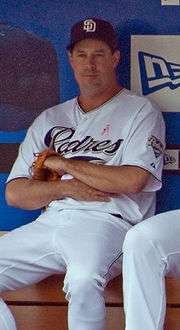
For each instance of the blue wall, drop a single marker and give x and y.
(52, 20)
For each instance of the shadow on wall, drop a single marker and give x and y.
(29, 83)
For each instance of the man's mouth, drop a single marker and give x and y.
(93, 75)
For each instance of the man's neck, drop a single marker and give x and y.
(91, 102)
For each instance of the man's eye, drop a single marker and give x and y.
(99, 54)
(81, 55)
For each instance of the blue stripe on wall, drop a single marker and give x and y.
(11, 217)
(12, 137)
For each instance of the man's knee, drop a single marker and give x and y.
(83, 284)
(136, 242)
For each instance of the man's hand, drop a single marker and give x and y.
(39, 171)
(55, 163)
(82, 192)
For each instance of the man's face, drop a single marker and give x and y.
(93, 63)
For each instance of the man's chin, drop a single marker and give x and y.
(91, 83)
(92, 90)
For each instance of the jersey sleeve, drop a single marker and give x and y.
(145, 144)
(32, 144)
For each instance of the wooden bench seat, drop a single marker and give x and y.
(43, 306)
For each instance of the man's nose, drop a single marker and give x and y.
(91, 61)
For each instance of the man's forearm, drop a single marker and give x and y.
(33, 194)
(111, 179)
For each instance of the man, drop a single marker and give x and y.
(110, 144)
(151, 251)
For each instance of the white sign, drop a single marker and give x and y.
(170, 2)
(155, 69)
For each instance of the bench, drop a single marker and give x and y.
(42, 306)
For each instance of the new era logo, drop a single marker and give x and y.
(157, 73)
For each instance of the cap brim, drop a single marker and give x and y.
(111, 45)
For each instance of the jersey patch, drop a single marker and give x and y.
(157, 145)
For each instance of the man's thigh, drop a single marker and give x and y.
(92, 241)
(27, 254)
(163, 230)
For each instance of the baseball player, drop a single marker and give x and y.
(151, 252)
(108, 151)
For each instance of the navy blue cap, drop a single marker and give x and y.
(93, 28)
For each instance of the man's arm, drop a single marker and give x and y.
(127, 178)
(111, 179)
(33, 194)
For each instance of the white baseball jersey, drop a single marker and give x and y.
(126, 130)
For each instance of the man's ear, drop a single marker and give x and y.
(70, 58)
(116, 57)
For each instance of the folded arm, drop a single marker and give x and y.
(110, 179)
(33, 194)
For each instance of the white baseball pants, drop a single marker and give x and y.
(151, 250)
(86, 245)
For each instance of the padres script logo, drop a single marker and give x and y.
(61, 140)
(89, 25)
(157, 73)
